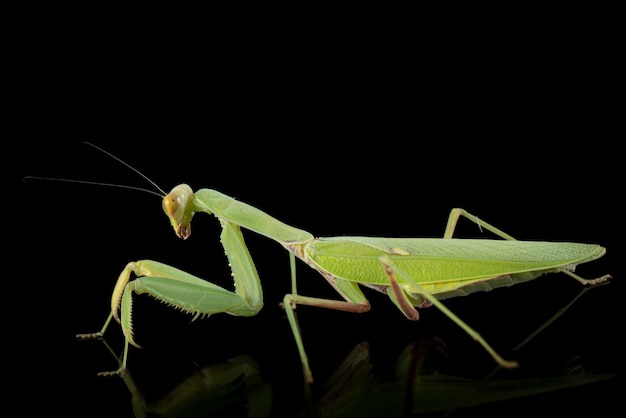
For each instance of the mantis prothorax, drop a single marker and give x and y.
(413, 272)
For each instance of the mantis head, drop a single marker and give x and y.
(177, 206)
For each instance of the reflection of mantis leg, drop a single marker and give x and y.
(100, 336)
(555, 317)
(519, 346)
(208, 390)
(451, 226)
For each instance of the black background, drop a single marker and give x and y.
(329, 140)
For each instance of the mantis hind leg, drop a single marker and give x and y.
(391, 269)
(456, 213)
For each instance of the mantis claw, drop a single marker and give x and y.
(587, 282)
(601, 279)
(132, 342)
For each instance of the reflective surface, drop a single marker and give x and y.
(75, 239)
(418, 382)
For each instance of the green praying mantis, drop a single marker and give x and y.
(413, 272)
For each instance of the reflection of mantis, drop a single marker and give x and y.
(353, 391)
(208, 391)
(414, 385)
(410, 270)
(419, 388)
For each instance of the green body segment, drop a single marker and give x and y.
(442, 265)
(246, 216)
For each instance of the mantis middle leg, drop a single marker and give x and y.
(355, 301)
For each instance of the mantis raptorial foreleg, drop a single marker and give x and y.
(187, 292)
(451, 226)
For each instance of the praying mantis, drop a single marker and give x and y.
(415, 273)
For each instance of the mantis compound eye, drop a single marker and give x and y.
(171, 204)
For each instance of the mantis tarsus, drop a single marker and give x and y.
(413, 272)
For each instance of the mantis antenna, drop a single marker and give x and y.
(96, 183)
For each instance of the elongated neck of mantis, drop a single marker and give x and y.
(230, 210)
